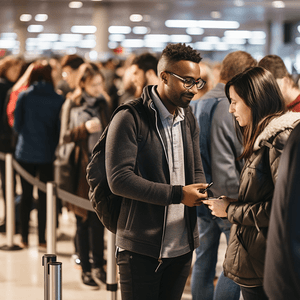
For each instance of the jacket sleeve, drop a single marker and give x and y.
(199, 172)
(121, 154)
(225, 149)
(76, 134)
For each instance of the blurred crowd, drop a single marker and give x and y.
(49, 103)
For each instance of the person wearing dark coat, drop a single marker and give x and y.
(282, 265)
(37, 123)
(10, 69)
(258, 106)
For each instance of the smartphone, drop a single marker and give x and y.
(203, 191)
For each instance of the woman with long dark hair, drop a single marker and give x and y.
(264, 126)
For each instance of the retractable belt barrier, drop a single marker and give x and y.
(53, 291)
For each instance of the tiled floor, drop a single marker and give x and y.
(22, 273)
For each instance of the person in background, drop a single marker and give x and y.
(220, 149)
(37, 124)
(157, 226)
(289, 88)
(70, 64)
(10, 68)
(282, 266)
(259, 109)
(144, 72)
(88, 117)
(207, 76)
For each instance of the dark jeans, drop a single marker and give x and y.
(139, 280)
(90, 235)
(254, 293)
(45, 172)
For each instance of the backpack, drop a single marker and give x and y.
(107, 205)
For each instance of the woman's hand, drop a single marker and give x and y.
(219, 205)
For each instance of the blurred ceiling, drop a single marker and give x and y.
(251, 15)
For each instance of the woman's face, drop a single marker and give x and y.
(93, 86)
(239, 109)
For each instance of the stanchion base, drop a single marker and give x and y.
(10, 248)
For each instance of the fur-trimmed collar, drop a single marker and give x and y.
(287, 121)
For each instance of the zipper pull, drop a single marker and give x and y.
(160, 263)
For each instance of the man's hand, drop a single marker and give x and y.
(192, 195)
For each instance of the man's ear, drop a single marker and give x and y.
(164, 77)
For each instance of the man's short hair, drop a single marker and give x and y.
(235, 63)
(72, 60)
(275, 65)
(176, 52)
(146, 62)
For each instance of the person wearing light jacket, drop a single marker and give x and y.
(258, 106)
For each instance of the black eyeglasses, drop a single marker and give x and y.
(188, 83)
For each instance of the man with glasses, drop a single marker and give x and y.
(162, 183)
(220, 150)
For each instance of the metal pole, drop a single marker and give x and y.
(47, 258)
(10, 204)
(51, 218)
(55, 288)
(10, 201)
(111, 278)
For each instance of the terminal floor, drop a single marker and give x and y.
(22, 273)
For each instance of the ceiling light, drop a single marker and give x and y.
(116, 37)
(90, 37)
(75, 4)
(239, 3)
(215, 14)
(25, 18)
(243, 34)
(258, 35)
(51, 37)
(133, 43)
(211, 39)
(8, 35)
(41, 17)
(35, 28)
(154, 44)
(7, 44)
(157, 37)
(181, 23)
(119, 29)
(112, 45)
(180, 38)
(278, 4)
(221, 46)
(218, 24)
(87, 44)
(136, 18)
(140, 30)
(235, 41)
(194, 31)
(70, 37)
(257, 42)
(205, 46)
(83, 29)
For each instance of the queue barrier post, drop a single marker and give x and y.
(10, 204)
(111, 273)
(51, 217)
(47, 258)
(55, 287)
